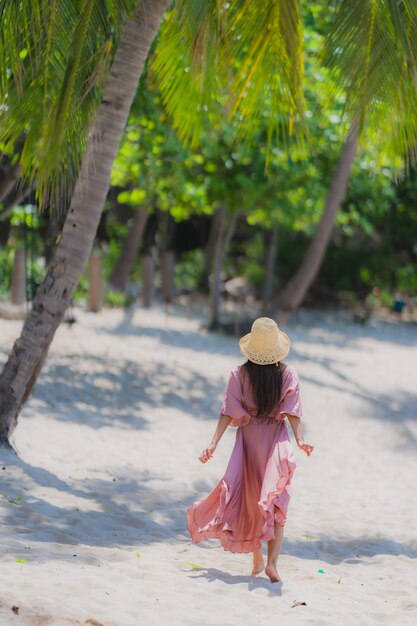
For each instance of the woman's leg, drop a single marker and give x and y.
(274, 548)
(258, 561)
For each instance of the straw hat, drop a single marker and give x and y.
(266, 343)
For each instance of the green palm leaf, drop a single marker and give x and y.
(54, 57)
(229, 58)
(186, 63)
(372, 53)
(265, 44)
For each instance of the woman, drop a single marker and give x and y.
(249, 504)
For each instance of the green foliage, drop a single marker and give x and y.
(188, 270)
(6, 267)
(25, 216)
(228, 59)
(406, 278)
(372, 53)
(54, 57)
(116, 299)
(187, 63)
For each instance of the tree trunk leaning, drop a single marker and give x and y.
(9, 182)
(148, 273)
(167, 255)
(167, 272)
(95, 287)
(270, 256)
(225, 233)
(55, 293)
(204, 284)
(126, 261)
(296, 289)
(18, 286)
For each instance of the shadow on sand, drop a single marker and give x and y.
(102, 392)
(212, 574)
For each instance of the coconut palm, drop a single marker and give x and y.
(372, 53)
(87, 200)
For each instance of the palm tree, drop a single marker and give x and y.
(75, 242)
(294, 292)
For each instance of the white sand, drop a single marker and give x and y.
(107, 465)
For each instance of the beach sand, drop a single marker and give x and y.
(93, 509)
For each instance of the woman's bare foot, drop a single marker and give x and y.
(271, 572)
(258, 562)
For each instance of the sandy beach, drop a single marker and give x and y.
(93, 508)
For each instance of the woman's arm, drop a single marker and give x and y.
(298, 433)
(222, 423)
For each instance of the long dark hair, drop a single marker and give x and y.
(266, 381)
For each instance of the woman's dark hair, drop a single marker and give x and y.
(266, 383)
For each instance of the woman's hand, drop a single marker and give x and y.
(306, 447)
(207, 453)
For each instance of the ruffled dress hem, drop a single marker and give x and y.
(217, 528)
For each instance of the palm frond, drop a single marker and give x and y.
(265, 46)
(54, 57)
(372, 54)
(241, 59)
(186, 64)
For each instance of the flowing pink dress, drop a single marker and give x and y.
(255, 491)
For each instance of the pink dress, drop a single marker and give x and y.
(255, 491)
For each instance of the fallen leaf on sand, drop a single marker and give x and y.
(194, 566)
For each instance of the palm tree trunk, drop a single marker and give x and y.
(124, 265)
(225, 233)
(148, 273)
(204, 285)
(296, 289)
(270, 256)
(95, 287)
(168, 274)
(167, 255)
(18, 285)
(54, 295)
(9, 182)
(5, 228)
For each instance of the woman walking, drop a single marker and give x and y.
(249, 505)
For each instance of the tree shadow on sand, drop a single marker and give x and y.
(400, 409)
(189, 339)
(123, 509)
(355, 550)
(101, 392)
(128, 510)
(339, 331)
